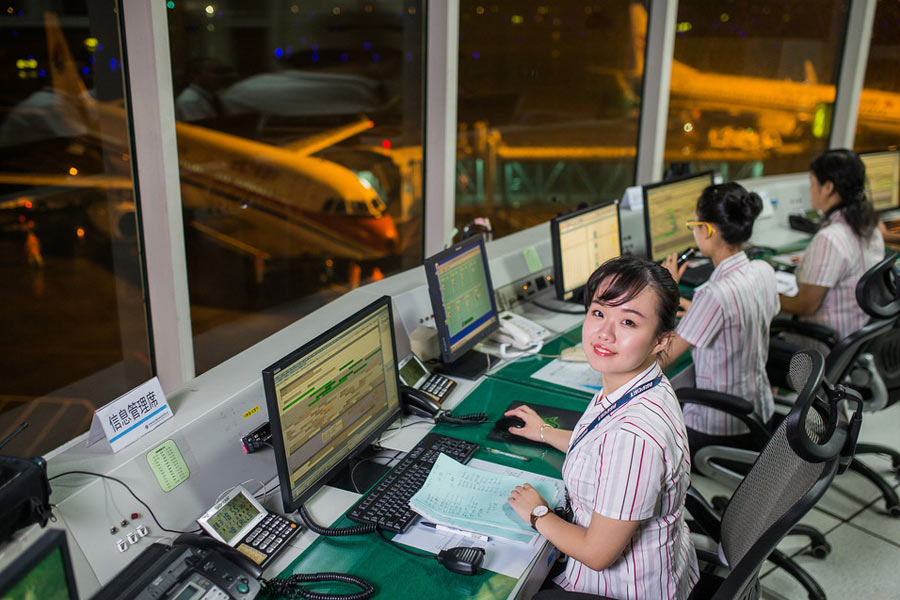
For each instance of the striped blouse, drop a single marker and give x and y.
(836, 258)
(728, 325)
(634, 466)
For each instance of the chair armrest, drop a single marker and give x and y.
(703, 514)
(729, 404)
(709, 557)
(822, 333)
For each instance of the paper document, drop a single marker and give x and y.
(502, 555)
(786, 283)
(575, 375)
(475, 500)
(791, 259)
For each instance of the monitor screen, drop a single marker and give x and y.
(330, 398)
(667, 207)
(462, 297)
(883, 178)
(43, 571)
(582, 241)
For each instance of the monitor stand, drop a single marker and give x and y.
(359, 475)
(471, 365)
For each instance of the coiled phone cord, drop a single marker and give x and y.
(290, 587)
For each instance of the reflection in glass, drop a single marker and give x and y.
(74, 324)
(300, 154)
(549, 98)
(752, 84)
(878, 120)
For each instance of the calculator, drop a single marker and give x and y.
(414, 374)
(240, 521)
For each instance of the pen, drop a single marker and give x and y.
(455, 531)
(508, 454)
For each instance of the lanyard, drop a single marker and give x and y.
(636, 391)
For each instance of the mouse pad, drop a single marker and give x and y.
(560, 417)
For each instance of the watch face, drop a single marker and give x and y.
(540, 511)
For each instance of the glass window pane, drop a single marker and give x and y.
(73, 320)
(878, 122)
(752, 84)
(300, 149)
(549, 99)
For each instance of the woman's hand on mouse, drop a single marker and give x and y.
(531, 430)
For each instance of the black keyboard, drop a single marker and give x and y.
(387, 504)
(694, 276)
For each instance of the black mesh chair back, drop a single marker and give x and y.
(791, 474)
(878, 294)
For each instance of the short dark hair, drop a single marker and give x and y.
(629, 276)
(732, 209)
(847, 172)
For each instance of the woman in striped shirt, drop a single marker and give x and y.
(726, 327)
(627, 467)
(847, 244)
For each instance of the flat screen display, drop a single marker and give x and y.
(582, 241)
(668, 206)
(883, 179)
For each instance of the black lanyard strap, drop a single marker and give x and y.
(636, 391)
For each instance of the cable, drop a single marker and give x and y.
(399, 547)
(334, 531)
(558, 310)
(130, 491)
(290, 587)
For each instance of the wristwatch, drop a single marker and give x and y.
(537, 512)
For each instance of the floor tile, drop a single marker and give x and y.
(860, 566)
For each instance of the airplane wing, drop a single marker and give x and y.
(314, 143)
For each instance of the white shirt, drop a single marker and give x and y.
(836, 258)
(635, 466)
(728, 325)
(195, 104)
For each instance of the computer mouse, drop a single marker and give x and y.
(504, 423)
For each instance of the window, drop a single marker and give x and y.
(752, 84)
(299, 129)
(878, 121)
(75, 334)
(548, 106)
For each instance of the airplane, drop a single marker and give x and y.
(263, 200)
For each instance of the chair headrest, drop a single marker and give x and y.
(878, 290)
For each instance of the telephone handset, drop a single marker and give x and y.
(519, 334)
(230, 554)
(418, 403)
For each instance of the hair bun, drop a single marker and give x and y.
(752, 204)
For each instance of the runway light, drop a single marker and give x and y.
(91, 43)
(724, 17)
(684, 27)
(170, 4)
(73, 171)
(28, 204)
(80, 232)
(386, 144)
(688, 127)
(517, 19)
(210, 10)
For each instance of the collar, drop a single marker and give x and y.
(732, 263)
(647, 374)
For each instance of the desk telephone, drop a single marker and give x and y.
(518, 336)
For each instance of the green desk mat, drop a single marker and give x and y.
(398, 575)
(521, 369)
(393, 573)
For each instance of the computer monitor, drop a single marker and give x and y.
(582, 241)
(331, 398)
(462, 299)
(667, 207)
(883, 178)
(43, 571)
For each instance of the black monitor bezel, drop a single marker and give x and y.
(557, 248)
(648, 245)
(868, 153)
(437, 305)
(292, 504)
(33, 555)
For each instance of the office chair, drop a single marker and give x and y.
(862, 359)
(786, 479)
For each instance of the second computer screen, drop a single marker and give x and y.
(669, 207)
(586, 241)
(465, 295)
(883, 179)
(331, 398)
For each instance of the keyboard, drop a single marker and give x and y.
(387, 504)
(694, 276)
